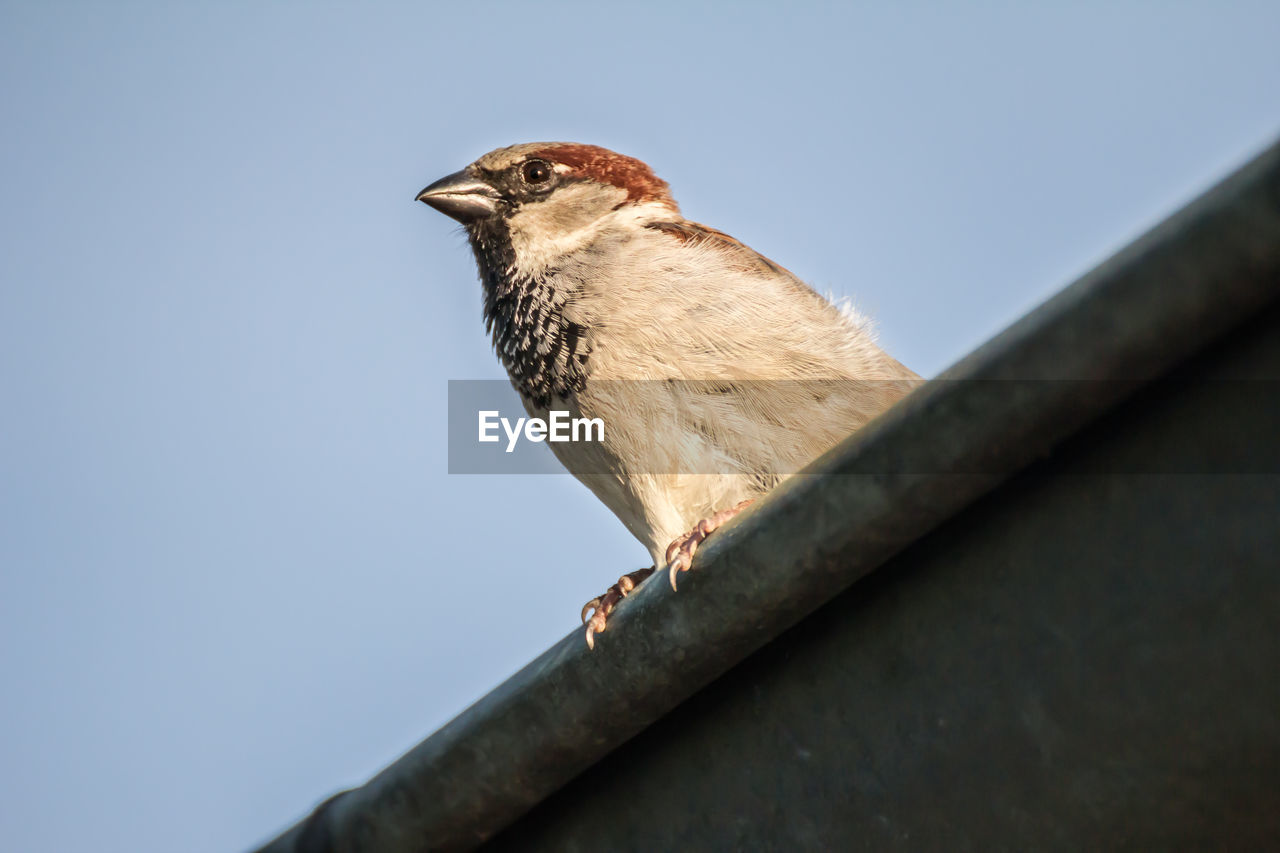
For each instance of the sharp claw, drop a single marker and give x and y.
(595, 626)
(681, 563)
(592, 605)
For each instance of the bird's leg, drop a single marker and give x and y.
(601, 606)
(680, 552)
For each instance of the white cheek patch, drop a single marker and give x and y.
(545, 231)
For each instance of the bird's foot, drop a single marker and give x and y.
(680, 552)
(595, 613)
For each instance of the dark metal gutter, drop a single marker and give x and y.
(1190, 280)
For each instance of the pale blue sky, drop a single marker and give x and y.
(234, 575)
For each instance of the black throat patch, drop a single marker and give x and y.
(544, 353)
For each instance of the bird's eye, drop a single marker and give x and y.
(536, 171)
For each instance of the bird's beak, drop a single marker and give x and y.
(461, 196)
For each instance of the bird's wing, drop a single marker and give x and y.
(697, 233)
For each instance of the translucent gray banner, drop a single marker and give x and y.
(775, 428)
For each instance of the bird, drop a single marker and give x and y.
(717, 372)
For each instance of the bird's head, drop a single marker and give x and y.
(542, 200)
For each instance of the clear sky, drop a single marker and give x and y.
(234, 573)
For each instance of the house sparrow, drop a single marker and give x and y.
(590, 275)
